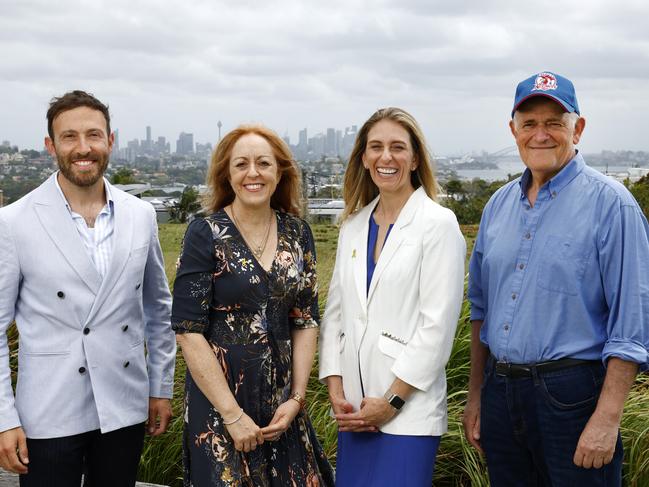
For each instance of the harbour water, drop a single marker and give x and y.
(506, 168)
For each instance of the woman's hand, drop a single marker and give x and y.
(343, 408)
(337, 395)
(245, 434)
(374, 412)
(282, 419)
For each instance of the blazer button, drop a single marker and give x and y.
(138, 286)
(60, 294)
(126, 364)
(86, 330)
(82, 370)
(125, 327)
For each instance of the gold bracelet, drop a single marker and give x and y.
(296, 396)
(232, 422)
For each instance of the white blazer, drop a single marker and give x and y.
(82, 339)
(404, 326)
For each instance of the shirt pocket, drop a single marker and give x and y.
(562, 265)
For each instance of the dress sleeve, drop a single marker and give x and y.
(193, 285)
(305, 314)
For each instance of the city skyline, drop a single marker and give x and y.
(290, 64)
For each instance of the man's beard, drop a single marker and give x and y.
(77, 176)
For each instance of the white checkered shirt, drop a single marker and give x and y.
(98, 241)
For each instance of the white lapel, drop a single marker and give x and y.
(57, 222)
(122, 236)
(361, 225)
(396, 236)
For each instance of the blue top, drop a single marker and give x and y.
(371, 243)
(568, 277)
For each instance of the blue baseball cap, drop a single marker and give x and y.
(550, 85)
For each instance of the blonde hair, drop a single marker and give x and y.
(288, 193)
(359, 189)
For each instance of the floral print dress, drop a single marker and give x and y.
(247, 314)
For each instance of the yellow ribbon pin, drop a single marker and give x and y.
(354, 254)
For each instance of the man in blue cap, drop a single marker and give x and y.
(559, 292)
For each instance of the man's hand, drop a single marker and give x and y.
(282, 419)
(374, 412)
(159, 415)
(471, 422)
(596, 444)
(13, 451)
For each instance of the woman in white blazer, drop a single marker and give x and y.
(392, 310)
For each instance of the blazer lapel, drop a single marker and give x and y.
(395, 238)
(59, 226)
(123, 233)
(359, 251)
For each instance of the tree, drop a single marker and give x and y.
(454, 187)
(123, 176)
(640, 191)
(186, 206)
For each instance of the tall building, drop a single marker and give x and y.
(185, 144)
(116, 143)
(317, 144)
(303, 140)
(330, 143)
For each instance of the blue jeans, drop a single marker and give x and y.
(530, 428)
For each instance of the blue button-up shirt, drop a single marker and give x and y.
(568, 277)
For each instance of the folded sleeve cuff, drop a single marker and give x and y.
(627, 350)
(477, 314)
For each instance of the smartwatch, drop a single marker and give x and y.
(395, 401)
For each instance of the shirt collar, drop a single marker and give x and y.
(109, 196)
(560, 180)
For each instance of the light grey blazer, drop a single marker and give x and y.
(82, 339)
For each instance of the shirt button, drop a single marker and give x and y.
(506, 327)
(60, 294)
(521, 266)
(528, 236)
(126, 364)
(554, 194)
(86, 330)
(138, 286)
(82, 370)
(514, 296)
(125, 327)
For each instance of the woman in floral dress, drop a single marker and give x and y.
(245, 312)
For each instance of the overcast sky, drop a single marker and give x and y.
(454, 65)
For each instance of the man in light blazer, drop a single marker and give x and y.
(81, 273)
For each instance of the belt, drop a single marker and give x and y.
(515, 371)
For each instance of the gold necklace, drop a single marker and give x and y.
(257, 249)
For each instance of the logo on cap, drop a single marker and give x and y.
(545, 82)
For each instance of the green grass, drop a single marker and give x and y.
(457, 463)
